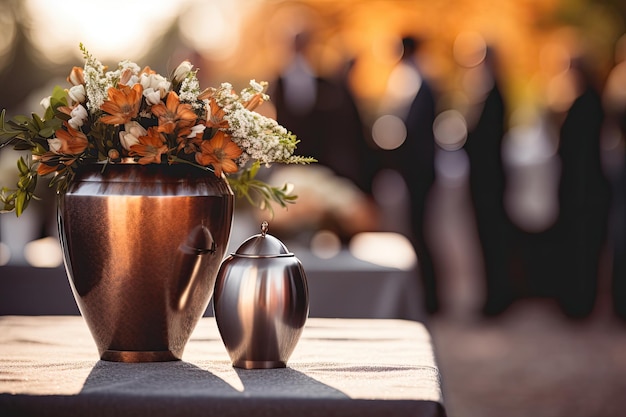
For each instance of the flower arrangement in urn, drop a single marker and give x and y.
(130, 114)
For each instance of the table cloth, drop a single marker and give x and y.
(49, 366)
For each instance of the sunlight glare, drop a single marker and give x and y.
(44, 253)
(217, 39)
(110, 30)
(388, 249)
(7, 37)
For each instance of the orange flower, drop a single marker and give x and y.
(219, 152)
(150, 147)
(70, 141)
(122, 105)
(216, 118)
(49, 164)
(173, 114)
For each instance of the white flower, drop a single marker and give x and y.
(54, 144)
(129, 65)
(77, 93)
(255, 88)
(131, 134)
(79, 115)
(152, 96)
(155, 87)
(76, 77)
(181, 72)
(197, 129)
(154, 81)
(135, 129)
(96, 87)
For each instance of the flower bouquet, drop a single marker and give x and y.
(126, 149)
(130, 114)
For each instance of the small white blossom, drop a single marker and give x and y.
(195, 130)
(78, 116)
(135, 129)
(131, 134)
(189, 91)
(154, 81)
(54, 144)
(152, 96)
(130, 65)
(77, 93)
(96, 87)
(182, 70)
(75, 77)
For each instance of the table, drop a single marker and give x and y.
(341, 367)
(342, 286)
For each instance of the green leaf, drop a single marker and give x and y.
(21, 120)
(47, 132)
(22, 166)
(21, 202)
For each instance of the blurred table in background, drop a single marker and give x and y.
(342, 286)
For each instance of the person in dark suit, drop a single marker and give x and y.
(584, 197)
(323, 113)
(414, 159)
(487, 187)
(615, 106)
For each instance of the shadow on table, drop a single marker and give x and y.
(182, 388)
(285, 383)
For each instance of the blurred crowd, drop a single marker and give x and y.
(547, 184)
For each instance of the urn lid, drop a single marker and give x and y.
(263, 246)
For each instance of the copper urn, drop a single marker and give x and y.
(142, 247)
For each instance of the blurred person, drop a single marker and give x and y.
(322, 112)
(414, 159)
(486, 130)
(584, 195)
(615, 107)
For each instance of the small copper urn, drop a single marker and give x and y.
(261, 302)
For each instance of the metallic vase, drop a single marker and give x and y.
(142, 247)
(261, 303)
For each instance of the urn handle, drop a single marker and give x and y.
(199, 243)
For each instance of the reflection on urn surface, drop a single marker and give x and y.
(261, 303)
(142, 248)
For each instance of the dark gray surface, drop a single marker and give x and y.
(343, 286)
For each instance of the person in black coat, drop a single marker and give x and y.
(323, 113)
(487, 187)
(414, 159)
(584, 198)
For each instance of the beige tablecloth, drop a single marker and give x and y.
(341, 367)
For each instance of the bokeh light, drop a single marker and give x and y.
(450, 129)
(325, 244)
(44, 253)
(389, 132)
(392, 250)
(110, 30)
